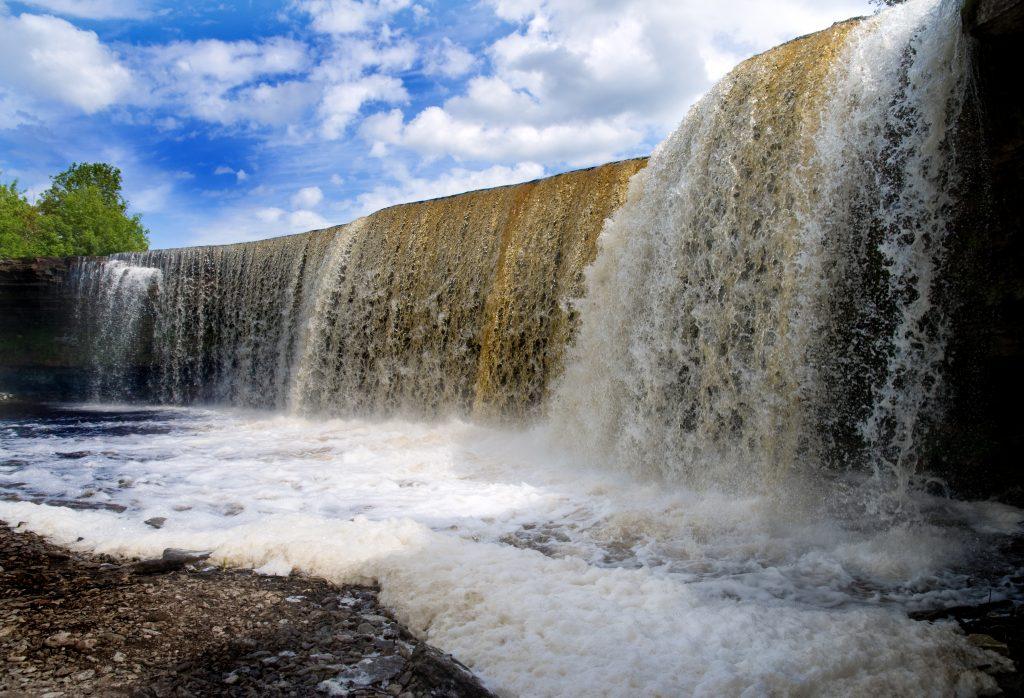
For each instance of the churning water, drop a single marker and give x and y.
(546, 576)
(716, 491)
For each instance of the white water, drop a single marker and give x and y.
(638, 589)
(120, 294)
(762, 293)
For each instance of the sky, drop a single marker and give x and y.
(243, 120)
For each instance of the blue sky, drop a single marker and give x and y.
(241, 120)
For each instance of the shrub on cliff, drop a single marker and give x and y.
(82, 213)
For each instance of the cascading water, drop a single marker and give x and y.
(766, 310)
(766, 298)
(764, 302)
(116, 321)
(451, 305)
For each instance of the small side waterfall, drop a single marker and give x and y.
(767, 300)
(116, 322)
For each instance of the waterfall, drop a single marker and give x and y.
(457, 305)
(767, 299)
(115, 322)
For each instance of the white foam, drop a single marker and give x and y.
(643, 589)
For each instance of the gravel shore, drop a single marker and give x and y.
(73, 624)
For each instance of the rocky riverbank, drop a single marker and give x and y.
(73, 624)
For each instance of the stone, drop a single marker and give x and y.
(379, 669)
(156, 521)
(987, 642)
(172, 559)
(60, 639)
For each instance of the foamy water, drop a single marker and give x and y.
(545, 575)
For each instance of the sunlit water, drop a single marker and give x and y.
(545, 575)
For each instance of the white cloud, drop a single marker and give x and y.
(302, 220)
(95, 9)
(351, 57)
(307, 197)
(231, 82)
(382, 129)
(449, 59)
(349, 16)
(232, 62)
(256, 223)
(150, 199)
(455, 181)
(341, 102)
(48, 60)
(274, 82)
(580, 81)
(240, 175)
(167, 123)
(435, 133)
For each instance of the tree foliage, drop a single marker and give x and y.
(82, 213)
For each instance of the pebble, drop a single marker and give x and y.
(61, 639)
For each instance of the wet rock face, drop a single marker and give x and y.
(38, 354)
(979, 453)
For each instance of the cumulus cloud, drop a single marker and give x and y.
(307, 198)
(231, 82)
(349, 16)
(341, 102)
(351, 57)
(448, 59)
(47, 60)
(553, 84)
(436, 132)
(579, 81)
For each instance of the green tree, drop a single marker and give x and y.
(82, 213)
(85, 210)
(20, 235)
